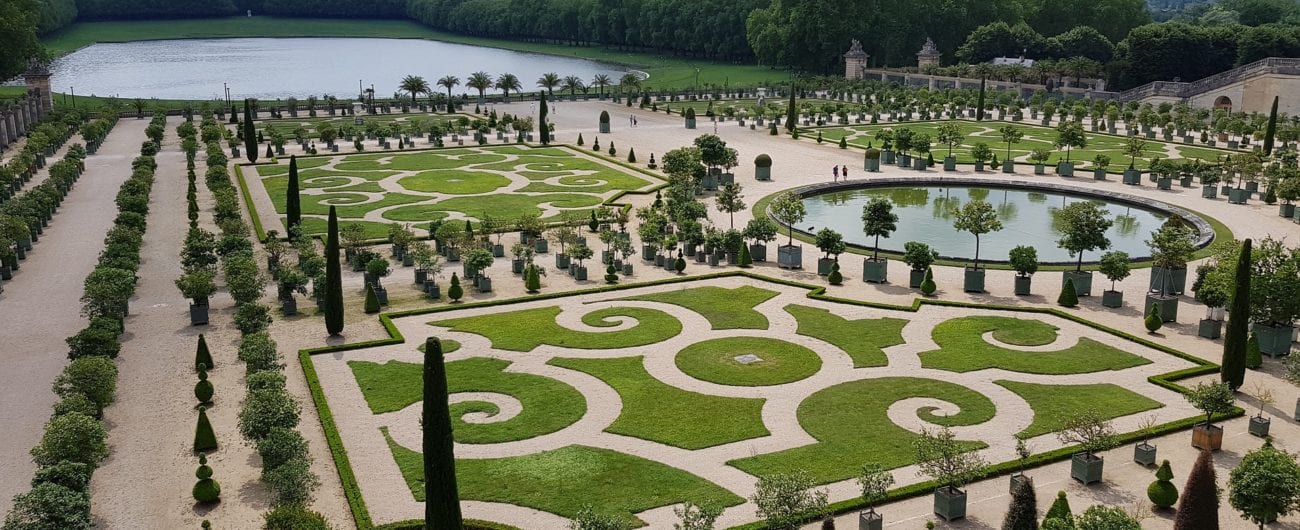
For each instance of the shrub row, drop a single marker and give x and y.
(75, 441)
(269, 416)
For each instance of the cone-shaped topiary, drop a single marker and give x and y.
(333, 278)
(1153, 320)
(844, 144)
(828, 523)
(372, 300)
(1162, 492)
(835, 277)
(611, 276)
(204, 438)
(680, 265)
(269, 152)
(580, 140)
(206, 489)
(441, 502)
(1068, 296)
(746, 260)
(631, 155)
(455, 291)
(1253, 358)
(927, 285)
(1060, 510)
(203, 390)
(532, 279)
(203, 357)
(1023, 512)
(1198, 508)
(292, 199)
(1233, 368)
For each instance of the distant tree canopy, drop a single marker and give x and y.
(1160, 52)
(55, 14)
(18, 21)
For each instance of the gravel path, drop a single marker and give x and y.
(41, 307)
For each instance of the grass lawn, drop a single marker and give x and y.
(549, 405)
(665, 71)
(1055, 404)
(655, 411)
(862, 339)
(526, 329)
(779, 361)
(724, 308)
(851, 424)
(448, 346)
(1034, 137)
(454, 182)
(564, 480)
(962, 348)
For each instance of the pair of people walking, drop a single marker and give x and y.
(839, 171)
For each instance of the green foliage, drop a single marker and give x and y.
(1060, 510)
(746, 260)
(1083, 226)
(203, 390)
(73, 437)
(92, 377)
(1023, 512)
(1198, 507)
(1153, 321)
(950, 462)
(203, 357)
(1162, 492)
(784, 501)
(1102, 517)
(204, 438)
(206, 489)
(292, 482)
(333, 278)
(455, 292)
(919, 255)
(928, 286)
(532, 279)
(1024, 259)
(372, 300)
(258, 352)
(835, 278)
(1233, 368)
(1211, 398)
(1265, 486)
(1254, 359)
(99, 338)
(1114, 266)
(265, 410)
(293, 517)
(442, 505)
(1068, 297)
(252, 318)
(50, 506)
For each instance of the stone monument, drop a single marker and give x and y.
(929, 54)
(855, 61)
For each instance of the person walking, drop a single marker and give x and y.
(844, 172)
(633, 121)
(835, 172)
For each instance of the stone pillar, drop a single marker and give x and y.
(4, 131)
(934, 83)
(20, 120)
(37, 79)
(11, 125)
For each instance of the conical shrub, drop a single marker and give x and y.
(455, 291)
(746, 260)
(1198, 508)
(204, 438)
(203, 357)
(372, 300)
(1023, 512)
(1162, 492)
(1060, 510)
(1153, 320)
(1068, 297)
(1254, 359)
(631, 155)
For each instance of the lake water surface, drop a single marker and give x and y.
(279, 68)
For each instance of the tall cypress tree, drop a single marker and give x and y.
(979, 112)
(541, 122)
(1233, 369)
(1271, 132)
(791, 116)
(333, 278)
(250, 133)
(292, 201)
(441, 501)
(1198, 508)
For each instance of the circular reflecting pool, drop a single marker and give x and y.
(926, 214)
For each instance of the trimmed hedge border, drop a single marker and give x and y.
(611, 202)
(816, 292)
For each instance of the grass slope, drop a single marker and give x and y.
(526, 329)
(724, 308)
(564, 480)
(1055, 404)
(851, 424)
(549, 405)
(862, 339)
(962, 348)
(655, 411)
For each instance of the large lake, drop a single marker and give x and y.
(279, 68)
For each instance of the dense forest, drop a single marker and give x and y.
(1116, 39)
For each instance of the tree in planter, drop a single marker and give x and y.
(198, 286)
(1265, 486)
(1070, 135)
(788, 209)
(333, 278)
(1172, 245)
(1114, 266)
(921, 144)
(1040, 156)
(982, 152)
(977, 217)
(731, 199)
(1198, 507)
(874, 481)
(784, 501)
(1010, 135)
(950, 136)
(1024, 260)
(1211, 399)
(378, 268)
(950, 462)
(478, 261)
(878, 219)
(1134, 147)
(1090, 431)
(831, 243)
(581, 253)
(1232, 370)
(1083, 226)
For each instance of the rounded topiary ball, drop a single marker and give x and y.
(206, 489)
(763, 161)
(203, 390)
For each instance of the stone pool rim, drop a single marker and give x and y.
(1205, 232)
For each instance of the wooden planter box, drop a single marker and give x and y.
(1273, 340)
(1082, 282)
(1164, 183)
(823, 266)
(1209, 437)
(872, 165)
(950, 504)
(949, 164)
(1112, 299)
(1286, 210)
(1132, 177)
(1023, 285)
(1008, 166)
(1172, 281)
(1208, 192)
(199, 314)
(870, 520)
(1086, 468)
(758, 253)
(1098, 174)
(1239, 196)
(1065, 169)
(1210, 329)
(1259, 426)
(1168, 306)
(1017, 479)
(974, 281)
(788, 257)
(1145, 454)
(875, 271)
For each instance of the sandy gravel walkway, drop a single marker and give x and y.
(41, 307)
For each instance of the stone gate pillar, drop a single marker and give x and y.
(20, 123)
(4, 130)
(37, 78)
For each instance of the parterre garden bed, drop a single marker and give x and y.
(461, 183)
(630, 400)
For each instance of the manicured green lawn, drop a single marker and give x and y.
(962, 348)
(780, 361)
(862, 339)
(548, 405)
(448, 346)
(665, 71)
(724, 308)
(851, 424)
(1054, 405)
(655, 411)
(526, 329)
(1034, 137)
(454, 182)
(565, 480)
